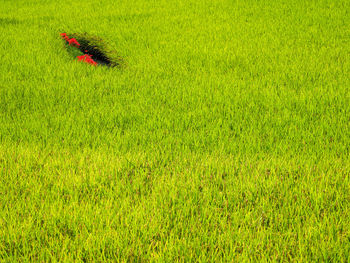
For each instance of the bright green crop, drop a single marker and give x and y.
(224, 136)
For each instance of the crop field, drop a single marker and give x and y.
(224, 137)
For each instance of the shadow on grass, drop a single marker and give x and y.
(101, 52)
(9, 21)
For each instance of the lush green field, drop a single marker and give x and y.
(225, 138)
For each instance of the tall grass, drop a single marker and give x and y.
(226, 137)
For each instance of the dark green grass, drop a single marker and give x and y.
(101, 52)
(226, 137)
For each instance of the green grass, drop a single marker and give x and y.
(225, 138)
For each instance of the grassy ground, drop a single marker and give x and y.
(226, 137)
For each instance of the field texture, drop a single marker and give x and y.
(226, 137)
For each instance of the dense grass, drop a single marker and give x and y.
(226, 137)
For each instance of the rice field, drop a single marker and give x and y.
(225, 137)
